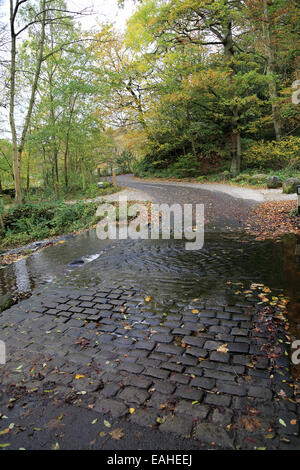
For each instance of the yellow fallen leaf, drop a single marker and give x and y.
(131, 410)
(195, 311)
(223, 349)
(147, 299)
(5, 431)
(161, 420)
(79, 376)
(117, 434)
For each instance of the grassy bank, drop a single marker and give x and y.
(248, 178)
(252, 178)
(37, 221)
(48, 194)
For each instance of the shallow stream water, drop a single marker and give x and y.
(164, 268)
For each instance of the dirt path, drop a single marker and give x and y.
(240, 192)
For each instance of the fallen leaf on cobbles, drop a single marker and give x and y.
(249, 423)
(117, 434)
(5, 431)
(282, 394)
(282, 422)
(131, 410)
(223, 348)
(161, 420)
(53, 424)
(107, 424)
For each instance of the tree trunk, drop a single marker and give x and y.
(16, 161)
(82, 175)
(18, 150)
(55, 146)
(66, 168)
(270, 72)
(235, 133)
(2, 226)
(56, 191)
(27, 178)
(192, 138)
(56, 166)
(236, 154)
(114, 177)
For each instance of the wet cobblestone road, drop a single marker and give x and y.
(152, 335)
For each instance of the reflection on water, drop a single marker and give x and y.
(49, 264)
(22, 278)
(291, 274)
(164, 267)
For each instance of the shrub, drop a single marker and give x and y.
(37, 221)
(275, 155)
(187, 165)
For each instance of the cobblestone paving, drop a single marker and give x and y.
(113, 350)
